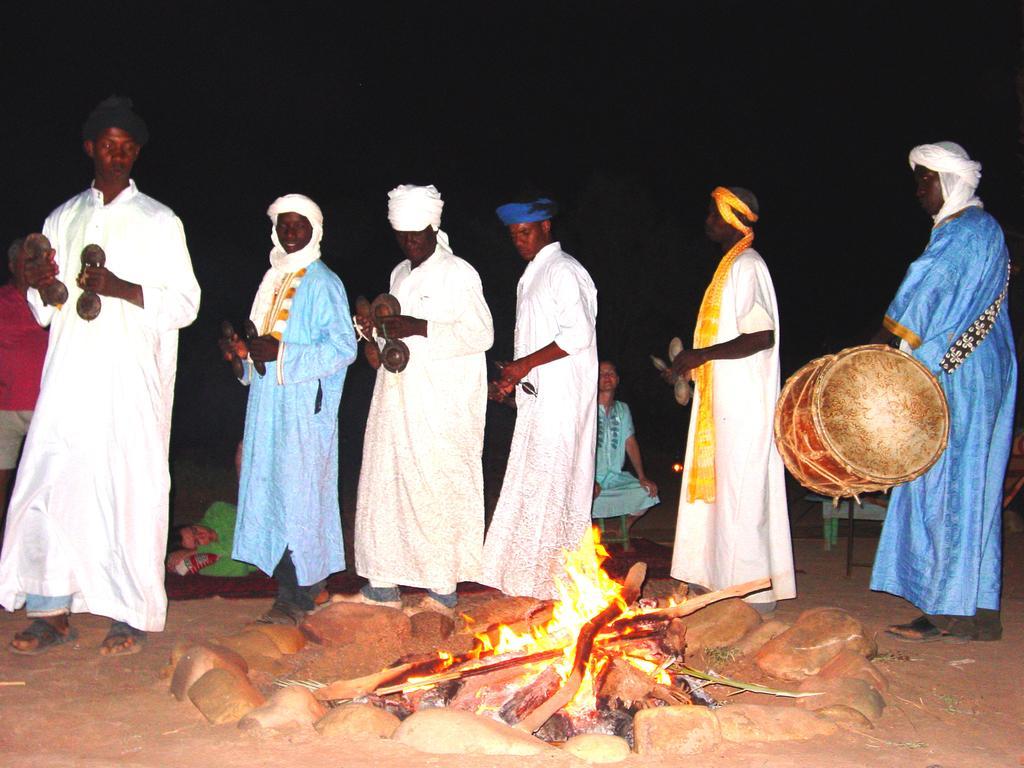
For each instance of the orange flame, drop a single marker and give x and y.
(584, 591)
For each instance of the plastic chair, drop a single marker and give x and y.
(620, 536)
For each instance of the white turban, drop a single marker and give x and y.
(958, 175)
(413, 209)
(283, 263)
(302, 205)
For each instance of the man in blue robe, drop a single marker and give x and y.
(940, 546)
(289, 519)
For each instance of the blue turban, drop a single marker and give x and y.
(540, 209)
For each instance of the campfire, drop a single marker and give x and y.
(582, 664)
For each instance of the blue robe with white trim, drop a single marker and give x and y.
(288, 490)
(940, 546)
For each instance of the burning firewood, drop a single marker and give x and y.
(584, 645)
(347, 689)
(674, 640)
(649, 618)
(625, 685)
(537, 616)
(529, 697)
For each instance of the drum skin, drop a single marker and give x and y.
(862, 420)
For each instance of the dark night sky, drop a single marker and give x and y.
(628, 113)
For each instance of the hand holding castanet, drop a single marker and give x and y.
(250, 334)
(365, 326)
(89, 304)
(233, 348)
(40, 270)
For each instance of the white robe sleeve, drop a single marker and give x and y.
(470, 329)
(171, 297)
(752, 293)
(573, 309)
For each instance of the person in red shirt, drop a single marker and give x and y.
(22, 351)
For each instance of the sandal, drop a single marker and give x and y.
(921, 630)
(283, 613)
(46, 636)
(122, 640)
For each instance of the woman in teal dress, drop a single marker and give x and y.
(618, 493)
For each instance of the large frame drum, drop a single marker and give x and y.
(862, 420)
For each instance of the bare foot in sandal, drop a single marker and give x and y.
(122, 640)
(42, 635)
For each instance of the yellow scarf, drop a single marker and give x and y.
(700, 484)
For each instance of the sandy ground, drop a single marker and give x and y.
(949, 704)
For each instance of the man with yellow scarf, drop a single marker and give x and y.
(733, 523)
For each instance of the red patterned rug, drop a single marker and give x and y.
(657, 557)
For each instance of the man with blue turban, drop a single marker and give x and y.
(544, 507)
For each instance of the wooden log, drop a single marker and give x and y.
(440, 695)
(359, 686)
(491, 691)
(693, 605)
(483, 669)
(428, 667)
(612, 640)
(539, 615)
(624, 685)
(531, 696)
(584, 646)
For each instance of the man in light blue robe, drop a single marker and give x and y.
(940, 546)
(289, 519)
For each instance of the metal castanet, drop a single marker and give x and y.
(370, 349)
(249, 333)
(89, 304)
(394, 355)
(862, 420)
(37, 246)
(227, 332)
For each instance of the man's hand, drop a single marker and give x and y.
(499, 392)
(684, 363)
(233, 347)
(514, 372)
(597, 490)
(39, 273)
(650, 486)
(263, 349)
(401, 326)
(365, 325)
(102, 281)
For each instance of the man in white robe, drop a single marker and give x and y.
(544, 507)
(87, 528)
(420, 507)
(733, 523)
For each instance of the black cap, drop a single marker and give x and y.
(115, 112)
